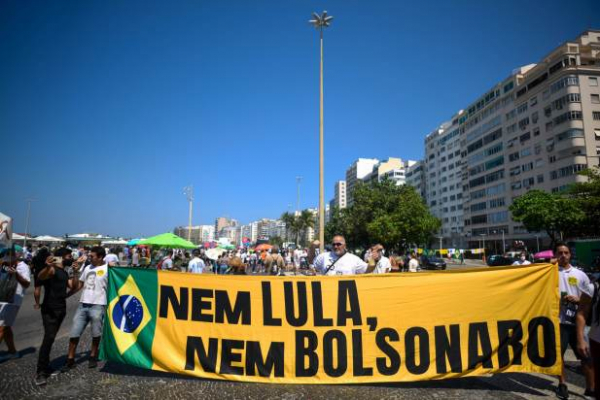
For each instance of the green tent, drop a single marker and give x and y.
(168, 240)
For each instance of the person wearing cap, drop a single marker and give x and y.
(382, 263)
(340, 261)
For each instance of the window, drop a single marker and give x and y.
(595, 98)
(526, 152)
(513, 156)
(528, 182)
(596, 115)
(547, 111)
(527, 167)
(501, 216)
(567, 171)
(525, 137)
(515, 185)
(540, 178)
(499, 202)
(593, 81)
(564, 82)
(533, 101)
(568, 116)
(515, 171)
(524, 122)
(522, 108)
(478, 206)
(568, 134)
(534, 117)
(536, 132)
(537, 149)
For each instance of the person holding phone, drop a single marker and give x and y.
(57, 286)
(9, 311)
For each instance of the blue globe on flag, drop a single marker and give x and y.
(128, 313)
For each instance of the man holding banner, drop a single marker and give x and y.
(339, 261)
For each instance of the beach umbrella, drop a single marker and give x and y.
(168, 240)
(133, 242)
(214, 254)
(544, 254)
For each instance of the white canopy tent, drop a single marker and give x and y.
(114, 242)
(47, 239)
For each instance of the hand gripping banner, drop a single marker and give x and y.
(339, 329)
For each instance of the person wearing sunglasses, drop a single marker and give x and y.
(339, 261)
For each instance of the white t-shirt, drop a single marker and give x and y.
(383, 266)
(94, 281)
(594, 333)
(348, 264)
(25, 273)
(167, 263)
(524, 262)
(111, 258)
(196, 266)
(571, 281)
(413, 265)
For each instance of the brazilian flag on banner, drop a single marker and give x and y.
(131, 317)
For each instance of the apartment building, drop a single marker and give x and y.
(415, 177)
(339, 195)
(443, 176)
(357, 171)
(199, 233)
(534, 130)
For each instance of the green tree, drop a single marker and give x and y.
(276, 241)
(385, 213)
(296, 225)
(289, 220)
(587, 196)
(557, 215)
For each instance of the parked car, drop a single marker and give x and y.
(432, 263)
(498, 260)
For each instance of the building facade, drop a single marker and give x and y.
(534, 130)
(199, 233)
(339, 195)
(357, 171)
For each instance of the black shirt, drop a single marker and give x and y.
(55, 289)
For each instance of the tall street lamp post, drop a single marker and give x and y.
(321, 22)
(189, 193)
(27, 220)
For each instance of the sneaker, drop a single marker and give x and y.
(93, 363)
(69, 365)
(41, 379)
(10, 356)
(562, 392)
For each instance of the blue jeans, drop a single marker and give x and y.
(92, 313)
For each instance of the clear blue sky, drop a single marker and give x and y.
(109, 108)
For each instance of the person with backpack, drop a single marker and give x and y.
(588, 347)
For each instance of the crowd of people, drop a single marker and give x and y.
(65, 272)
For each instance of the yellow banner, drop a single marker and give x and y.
(344, 329)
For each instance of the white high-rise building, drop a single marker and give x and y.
(357, 171)
(339, 195)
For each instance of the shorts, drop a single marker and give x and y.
(568, 337)
(8, 313)
(92, 313)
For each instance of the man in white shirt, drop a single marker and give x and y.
(196, 265)
(339, 261)
(573, 283)
(92, 305)
(382, 263)
(522, 260)
(9, 311)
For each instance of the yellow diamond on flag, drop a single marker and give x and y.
(128, 315)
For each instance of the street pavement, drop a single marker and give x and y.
(115, 381)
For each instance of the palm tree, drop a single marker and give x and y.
(305, 220)
(289, 220)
